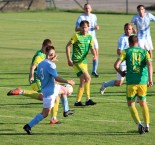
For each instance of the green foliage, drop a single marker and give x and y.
(108, 122)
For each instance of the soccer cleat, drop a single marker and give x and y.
(16, 91)
(69, 112)
(95, 74)
(90, 102)
(27, 128)
(55, 121)
(78, 104)
(146, 129)
(141, 129)
(102, 89)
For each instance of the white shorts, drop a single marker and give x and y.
(122, 68)
(145, 44)
(96, 44)
(49, 101)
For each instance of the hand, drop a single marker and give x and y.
(97, 27)
(31, 79)
(70, 62)
(54, 59)
(94, 57)
(150, 84)
(71, 82)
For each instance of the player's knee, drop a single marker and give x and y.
(118, 83)
(40, 97)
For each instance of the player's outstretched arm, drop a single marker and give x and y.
(61, 80)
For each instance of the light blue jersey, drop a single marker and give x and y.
(123, 43)
(47, 73)
(92, 19)
(143, 25)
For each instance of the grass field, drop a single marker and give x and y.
(107, 123)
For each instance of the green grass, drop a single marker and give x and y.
(109, 122)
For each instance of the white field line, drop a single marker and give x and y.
(82, 120)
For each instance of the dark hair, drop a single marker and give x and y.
(133, 39)
(86, 4)
(48, 48)
(139, 6)
(127, 24)
(84, 22)
(46, 42)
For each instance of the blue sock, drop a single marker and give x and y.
(64, 102)
(36, 120)
(110, 83)
(95, 65)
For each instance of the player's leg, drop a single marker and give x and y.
(78, 69)
(53, 119)
(131, 93)
(87, 81)
(64, 100)
(28, 93)
(48, 104)
(118, 82)
(142, 91)
(95, 62)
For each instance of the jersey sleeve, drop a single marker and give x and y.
(73, 38)
(95, 21)
(92, 42)
(78, 21)
(52, 70)
(152, 17)
(122, 57)
(37, 60)
(148, 56)
(133, 20)
(120, 44)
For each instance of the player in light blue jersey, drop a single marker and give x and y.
(47, 74)
(142, 22)
(93, 26)
(122, 45)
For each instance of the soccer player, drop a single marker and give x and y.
(82, 42)
(122, 45)
(47, 74)
(138, 76)
(36, 86)
(142, 22)
(93, 26)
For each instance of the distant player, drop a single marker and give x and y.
(82, 42)
(138, 76)
(142, 22)
(93, 26)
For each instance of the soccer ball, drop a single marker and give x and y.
(69, 89)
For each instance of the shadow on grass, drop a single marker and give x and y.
(78, 133)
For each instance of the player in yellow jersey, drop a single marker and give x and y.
(82, 42)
